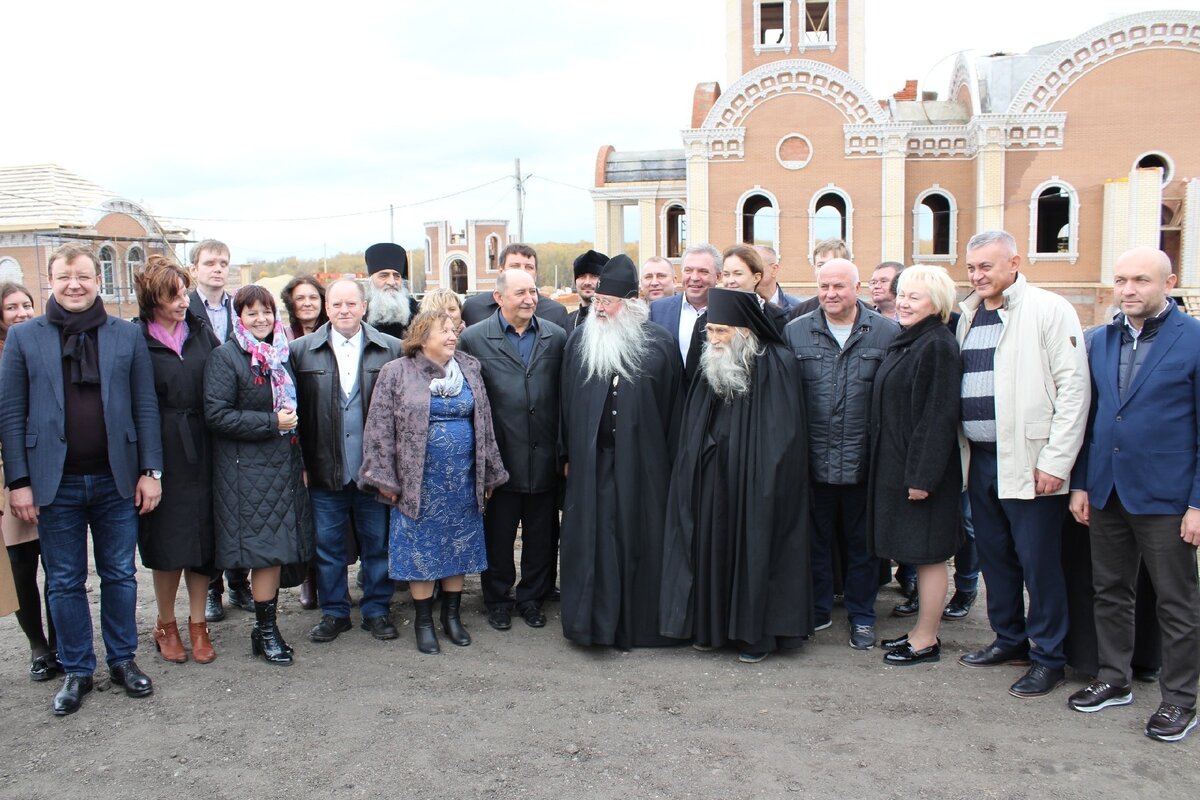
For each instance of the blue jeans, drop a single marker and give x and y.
(93, 501)
(331, 515)
(966, 560)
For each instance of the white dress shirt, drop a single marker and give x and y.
(348, 352)
(687, 324)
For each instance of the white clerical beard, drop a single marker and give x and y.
(615, 345)
(728, 369)
(388, 306)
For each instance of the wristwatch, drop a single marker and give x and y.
(153, 473)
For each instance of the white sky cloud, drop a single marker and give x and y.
(226, 115)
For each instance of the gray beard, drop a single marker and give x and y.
(615, 345)
(387, 307)
(728, 370)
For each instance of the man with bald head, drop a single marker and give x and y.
(521, 357)
(1136, 484)
(839, 346)
(657, 279)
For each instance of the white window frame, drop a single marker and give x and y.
(108, 289)
(783, 47)
(939, 258)
(741, 204)
(664, 221)
(1072, 254)
(812, 217)
(803, 45)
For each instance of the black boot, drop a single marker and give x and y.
(423, 626)
(451, 622)
(265, 639)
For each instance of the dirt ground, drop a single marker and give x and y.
(526, 714)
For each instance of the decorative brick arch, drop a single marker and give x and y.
(1172, 30)
(794, 76)
(965, 77)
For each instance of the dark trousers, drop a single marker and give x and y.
(537, 514)
(844, 509)
(1119, 541)
(1020, 547)
(238, 579)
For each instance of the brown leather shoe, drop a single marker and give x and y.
(166, 639)
(202, 648)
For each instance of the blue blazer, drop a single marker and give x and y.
(1146, 445)
(32, 427)
(666, 313)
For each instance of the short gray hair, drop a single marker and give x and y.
(710, 250)
(984, 238)
(502, 278)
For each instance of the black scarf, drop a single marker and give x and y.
(79, 341)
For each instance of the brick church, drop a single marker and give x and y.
(1074, 147)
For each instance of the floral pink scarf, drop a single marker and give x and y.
(269, 359)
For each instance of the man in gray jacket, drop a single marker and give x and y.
(336, 367)
(521, 357)
(840, 346)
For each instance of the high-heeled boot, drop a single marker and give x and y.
(265, 639)
(451, 621)
(166, 639)
(202, 647)
(427, 641)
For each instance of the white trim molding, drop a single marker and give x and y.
(741, 203)
(793, 165)
(1072, 254)
(794, 76)
(812, 217)
(935, 258)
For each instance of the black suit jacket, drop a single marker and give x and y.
(479, 307)
(198, 307)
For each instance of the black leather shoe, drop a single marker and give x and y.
(892, 644)
(380, 627)
(1170, 723)
(534, 617)
(906, 656)
(213, 610)
(993, 656)
(1039, 681)
(500, 619)
(908, 587)
(43, 667)
(959, 605)
(1146, 674)
(1099, 695)
(130, 675)
(908, 608)
(241, 598)
(329, 628)
(70, 697)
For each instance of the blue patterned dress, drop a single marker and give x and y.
(447, 538)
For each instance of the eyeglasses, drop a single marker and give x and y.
(604, 301)
(879, 281)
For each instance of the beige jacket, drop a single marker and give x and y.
(1043, 389)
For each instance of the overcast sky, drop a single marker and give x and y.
(289, 131)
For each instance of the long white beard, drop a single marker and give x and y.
(729, 369)
(388, 306)
(615, 345)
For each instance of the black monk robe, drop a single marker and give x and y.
(616, 497)
(735, 558)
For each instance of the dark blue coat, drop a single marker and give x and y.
(1146, 445)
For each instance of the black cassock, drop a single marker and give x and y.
(616, 496)
(735, 558)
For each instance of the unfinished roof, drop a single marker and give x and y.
(38, 196)
(930, 112)
(645, 165)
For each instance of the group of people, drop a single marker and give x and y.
(718, 462)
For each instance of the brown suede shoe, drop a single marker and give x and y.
(202, 649)
(166, 639)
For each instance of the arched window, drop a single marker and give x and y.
(135, 258)
(1160, 160)
(675, 223)
(458, 276)
(935, 225)
(10, 271)
(108, 259)
(493, 252)
(831, 216)
(1054, 222)
(758, 218)
(428, 256)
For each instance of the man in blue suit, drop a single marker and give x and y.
(82, 446)
(682, 314)
(1137, 486)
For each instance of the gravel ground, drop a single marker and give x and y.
(526, 714)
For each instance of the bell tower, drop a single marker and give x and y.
(761, 31)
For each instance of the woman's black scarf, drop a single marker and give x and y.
(79, 342)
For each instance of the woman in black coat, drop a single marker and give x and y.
(176, 538)
(263, 519)
(915, 479)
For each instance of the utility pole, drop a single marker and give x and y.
(392, 221)
(520, 203)
(324, 257)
